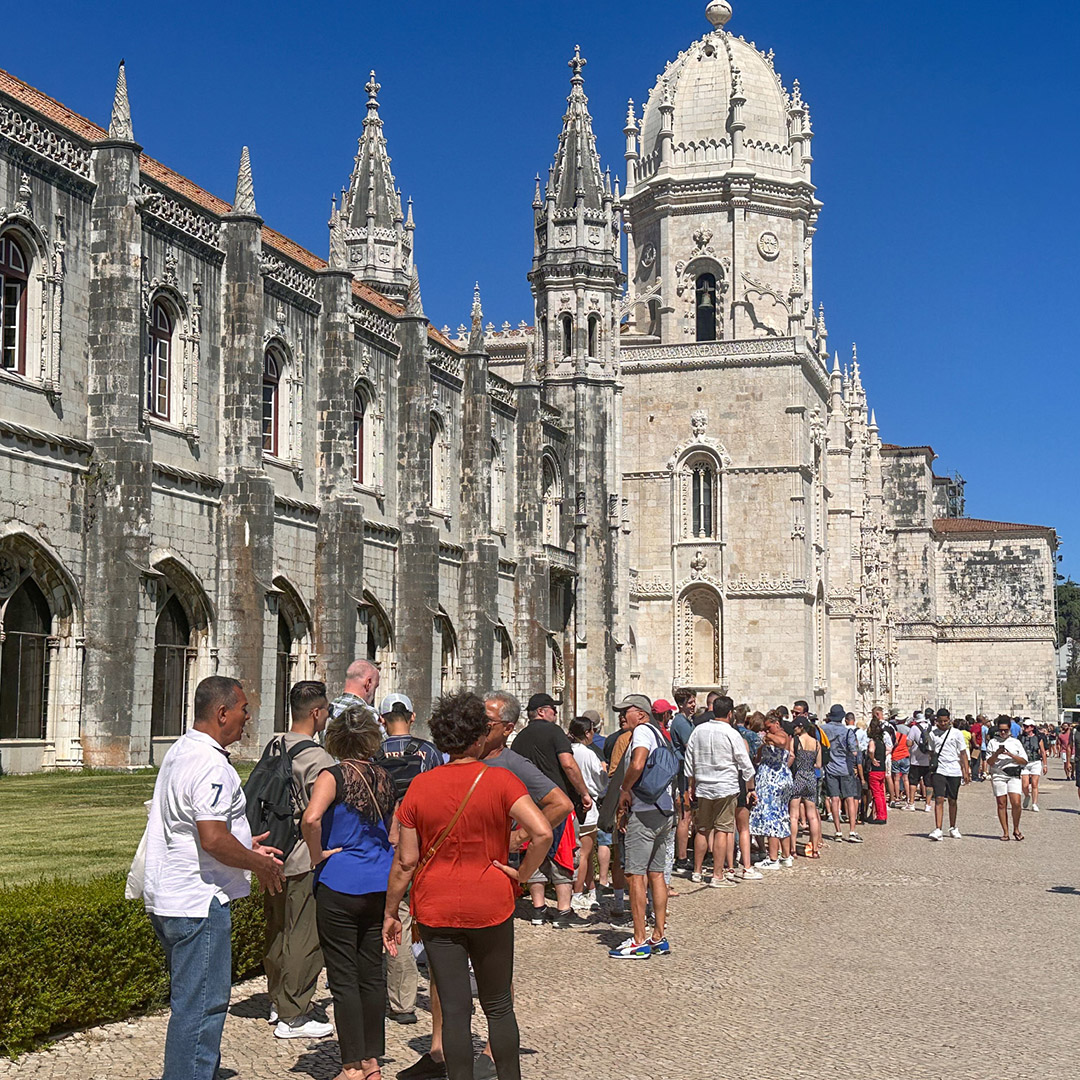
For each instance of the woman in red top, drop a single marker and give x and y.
(453, 845)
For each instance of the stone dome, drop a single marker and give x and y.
(698, 85)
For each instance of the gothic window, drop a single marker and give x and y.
(702, 490)
(449, 676)
(705, 307)
(376, 639)
(284, 675)
(700, 630)
(14, 276)
(358, 436)
(498, 488)
(594, 336)
(552, 502)
(159, 362)
(505, 651)
(271, 386)
(437, 478)
(172, 652)
(566, 325)
(25, 624)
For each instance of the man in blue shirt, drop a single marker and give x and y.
(843, 773)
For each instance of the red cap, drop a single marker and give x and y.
(662, 706)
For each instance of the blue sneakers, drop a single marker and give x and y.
(659, 948)
(632, 950)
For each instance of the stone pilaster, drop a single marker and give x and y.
(119, 582)
(246, 517)
(339, 546)
(480, 559)
(418, 556)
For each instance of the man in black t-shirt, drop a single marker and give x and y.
(548, 747)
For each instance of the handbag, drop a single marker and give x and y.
(431, 852)
(935, 751)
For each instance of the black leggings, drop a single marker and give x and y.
(491, 949)
(350, 933)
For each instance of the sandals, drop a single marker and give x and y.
(1006, 838)
(1017, 835)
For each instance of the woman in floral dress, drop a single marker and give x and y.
(771, 816)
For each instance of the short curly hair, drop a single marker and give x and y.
(353, 735)
(458, 722)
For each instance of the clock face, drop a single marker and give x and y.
(648, 255)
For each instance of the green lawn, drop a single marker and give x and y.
(72, 824)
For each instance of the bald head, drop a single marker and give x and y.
(362, 679)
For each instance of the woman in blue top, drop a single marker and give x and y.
(347, 830)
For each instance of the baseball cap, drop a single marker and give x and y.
(398, 703)
(634, 701)
(538, 701)
(1029, 723)
(593, 717)
(662, 705)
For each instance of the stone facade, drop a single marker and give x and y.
(220, 453)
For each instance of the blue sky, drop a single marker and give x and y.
(945, 153)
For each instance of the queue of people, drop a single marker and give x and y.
(375, 847)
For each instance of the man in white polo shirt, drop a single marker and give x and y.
(199, 858)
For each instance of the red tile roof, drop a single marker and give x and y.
(981, 525)
(87, 130)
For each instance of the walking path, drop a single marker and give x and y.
(902, 958)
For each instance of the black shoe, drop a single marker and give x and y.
(484, 1069)
(401, 1017)
(563, 920)
(427, 1068)
(683, 866)
(539, 916)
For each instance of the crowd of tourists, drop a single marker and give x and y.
(379, 851)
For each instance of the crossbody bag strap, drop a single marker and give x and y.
(431, 851)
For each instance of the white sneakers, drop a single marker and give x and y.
(303, 1027)
(695, 878)
(770, 864)
(954, 832)
(584, 901)
(1034, 807)
(751, 874)
(929, 808)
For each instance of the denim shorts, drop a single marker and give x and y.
(603, 839)
(901, 765)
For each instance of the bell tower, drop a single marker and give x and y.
(576, 281)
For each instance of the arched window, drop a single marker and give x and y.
(436, 481)
(700, 633)
(172, 644)
(705, 304)
(14, 275)
(25, 622)
(377, 640)
(566, 324)
(449, 677)
(702, 490)
(594, 336)
(359, 405)
(284, 673)
(552, 502)
(159, 362)
(270, 386)
(498, 488)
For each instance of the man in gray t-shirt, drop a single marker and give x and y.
(843, 773)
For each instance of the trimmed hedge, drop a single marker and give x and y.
(76, 953)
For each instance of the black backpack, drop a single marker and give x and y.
(271, 796)
(402, 765)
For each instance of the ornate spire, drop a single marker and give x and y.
(538, 198)
(577, 166)
(378, 234)
(414, 306)
(244, 202)
(476, 334)
(120, 121)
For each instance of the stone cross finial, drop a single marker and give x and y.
(372, 87)
(576, 65)
(120, 121)
(477, 310)
(631, 118)
(244, 203)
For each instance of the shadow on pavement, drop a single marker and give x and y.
(256, 1007)
(1063, 810)
(1065, 890)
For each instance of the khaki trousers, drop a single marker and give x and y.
(401, 973)
(293, 958)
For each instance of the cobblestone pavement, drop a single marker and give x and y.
(886, 960)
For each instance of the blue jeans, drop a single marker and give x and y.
(199, 955)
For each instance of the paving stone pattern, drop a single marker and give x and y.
(882, 960)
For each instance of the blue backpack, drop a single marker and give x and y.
(661, 769)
